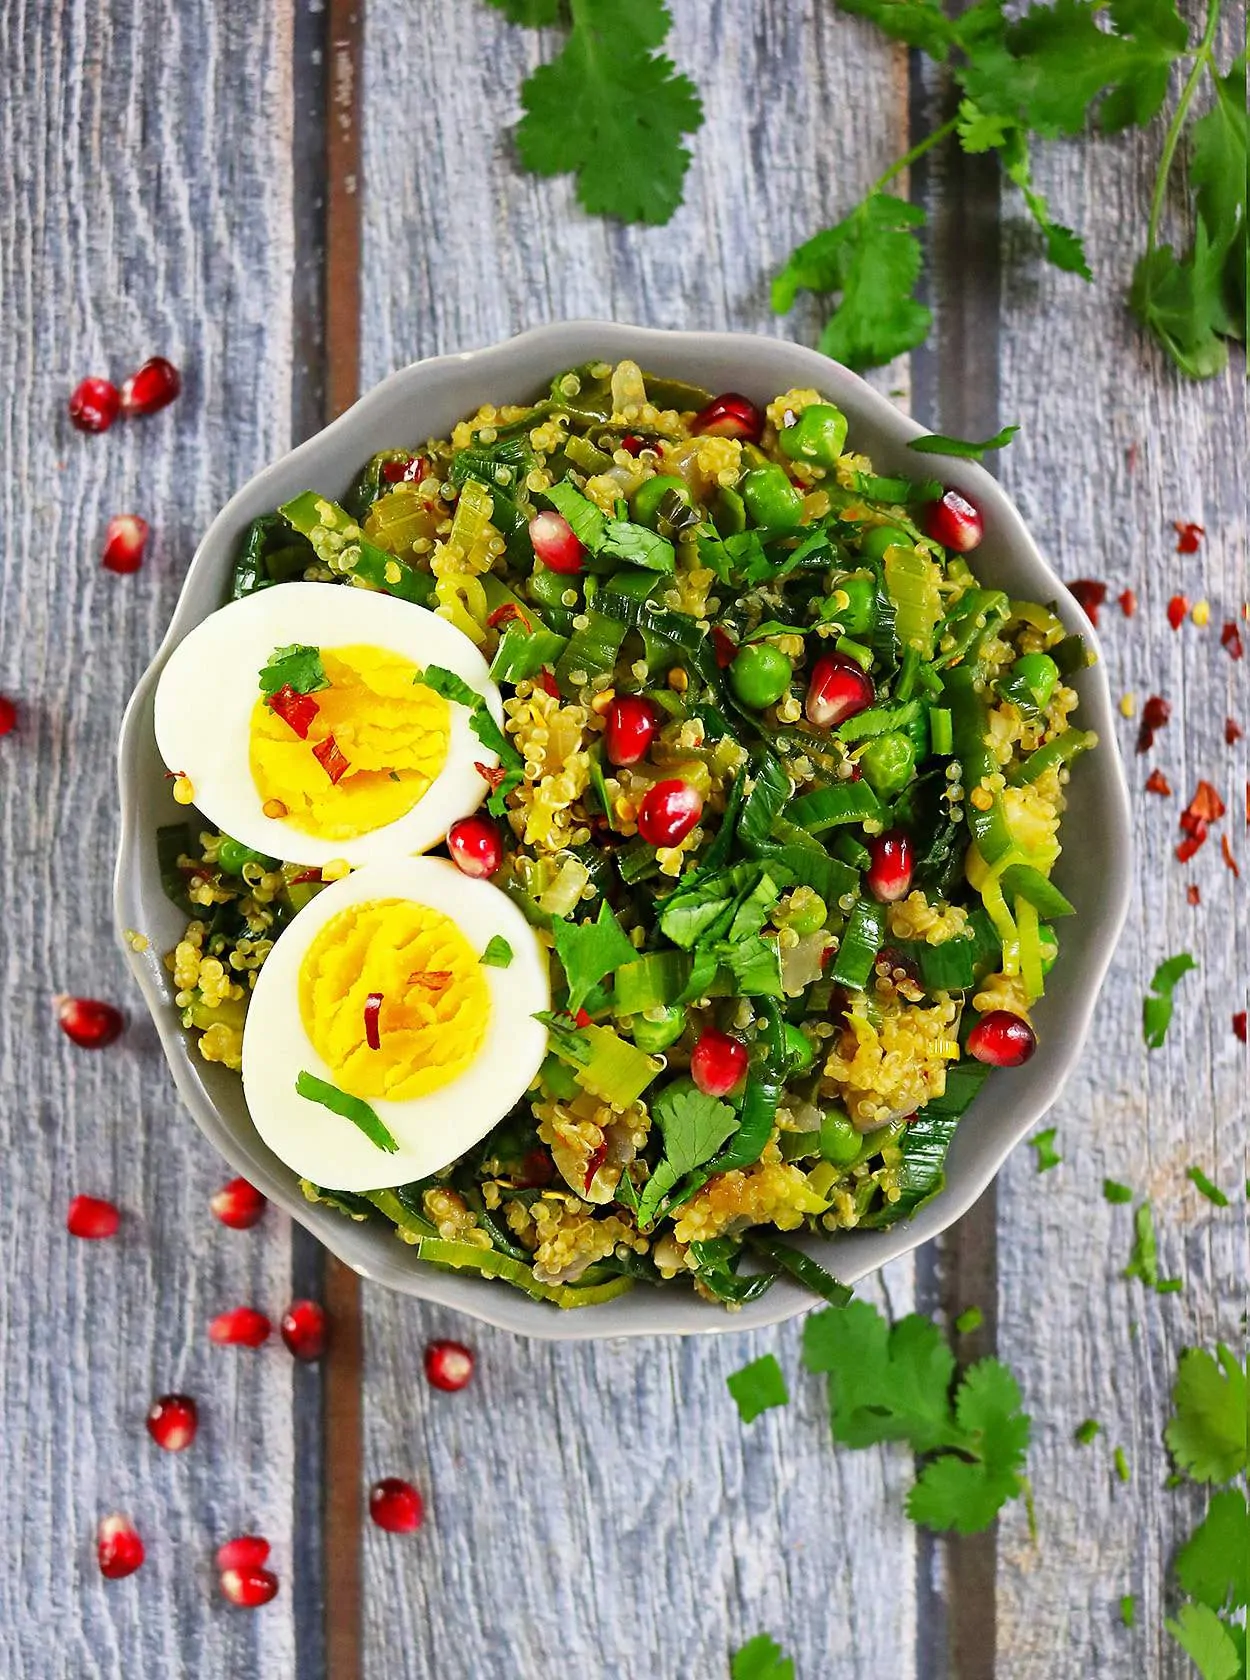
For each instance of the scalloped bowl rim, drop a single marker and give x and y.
(1096, 876)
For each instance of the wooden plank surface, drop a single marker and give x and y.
(145, 207)
(603, 1506)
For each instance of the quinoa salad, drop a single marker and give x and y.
(671, 891)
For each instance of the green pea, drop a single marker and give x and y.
(818, 436)
(1049, 942)
(1039, 674)
(839, 1141)
(887, 763)
(770, 497)
(546, 587)
(798, 1048)
(873, 543)
(807, 911)
(233, 854)
(760, 675)
(860, 614)
(656, 1035)
(645, 505)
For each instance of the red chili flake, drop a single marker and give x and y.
(493, 777)
(1128, 602)
(1157, 782)
(1232, 732)
(1090, 595)
(1154, 715)
(1239, 1025)
(1227, 852)
(1131, 454)
(411, 471)
(331, 759)
(548, 683)
(1188, 847)
(724, 647)
(582, 1019)
(175, 775)
(595, 1161)
(373, 1015)
(1230, 638)
(1205, 807)
(1188, 536)
(1178, 606)
(303, 876)
(433, 979)
(505, 615)
(295, 709)
(1192, 893)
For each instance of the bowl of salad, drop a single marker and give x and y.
(596, 834)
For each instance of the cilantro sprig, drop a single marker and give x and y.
(758, 1387)
(761, 1658)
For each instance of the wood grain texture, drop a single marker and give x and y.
(1115, 446)
(603, 1506)
(145, 207)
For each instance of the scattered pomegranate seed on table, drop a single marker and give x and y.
(1178, 606)
(245, 1551)
(475, 846)
(1128, 602)
(241, 1326)
(955, 522)
(1156, 713)
(395, 1505)
(124, 543)
(149, 388)
(1090, 595)
(669, 811)
(1002, 1039)
(304, 1329)
(730, 415)
(119, 1550)
(555, 544)
(448, 1365)
(839, 689)
(92, 1217)
(248, 1589)
(172, 1421)
(631, 724)
(1230, 638)
(238, 1204)
(1188, 536)
(89, 1023)
(1157, 782)
(1239, 1025)
(8, 715)
(93, 405)
(717, 1062)
(889, 866)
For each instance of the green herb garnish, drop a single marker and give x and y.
(761, 1659)
(498, 952)
(1085, 1432)
(758, 1386)
(972, 1318)
(1121, 1465)
(1044, 1144)
(694, 1126)
(1157, 1006)
(350, 1108)
(1204, 1186)
(1213, 1565)
(1144, 1259)
(1114, 1191)
(298, 667)
(590, 950)
(1128, 1610)
(1207, 1431)
(937, 443)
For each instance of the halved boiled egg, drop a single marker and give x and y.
(378, 1045)
(298, 718)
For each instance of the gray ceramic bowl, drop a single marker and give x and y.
(425, 400)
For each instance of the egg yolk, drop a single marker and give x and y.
(435, 1002)
(392, 731)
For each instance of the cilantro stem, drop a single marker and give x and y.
(1171, 139)
(929, 141)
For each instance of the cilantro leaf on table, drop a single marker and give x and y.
(1085, 1432)
(1114, 1191)
(1128, 1610)
(1047, 1155)
(917, 23)
(1217, 171)
(590, 950)
(536, 13)
(1204, 1187)
(1157, 1005)
(298, 667)
(758, 1387)
(1181, 301)
(886, 1383)
(965, 1490)
(1208, 1641)
(761, 1659)
(1143, 1261)
(613, 110)
(937, 443)
(1213, 1565)
(1207, 1431)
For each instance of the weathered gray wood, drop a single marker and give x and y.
(144, 207)
(604, 1506)
(1115, 446)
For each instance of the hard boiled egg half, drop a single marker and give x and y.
(298, 718)
(379, 1046)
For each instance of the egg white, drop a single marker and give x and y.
(210, 684)
(431, 1130)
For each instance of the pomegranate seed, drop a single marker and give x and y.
(246, 1551)
(717, 1062)
(1230, 638)
(1178, 606)
(448, 1365)
(537, 1171)
(248, 1588)
(1090, 595)
(395, 1505)
(724, 647)
(150, 387)
(840, 687)
(1187, 536)
(955, 522)
(93, 405)
(634, 445)
(554, 543)
(242, 1326)
(124, 543)
(1128, 602)
(173, 1421)
(1002, 1039)
(730, 415)
(1157, 782)
(92, 1217)
(1232, 732)
(668, 813)
(304, 1329)
(631, 725)
(8, 715)
(118, 1547)
(238, 1204)
(890, 866)
(90, 1023)
(1154, 715)
(410, 471)
(1239, 1025)
(475, 846)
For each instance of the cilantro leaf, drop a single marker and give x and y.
(1144, 1259)
(1128, 1610)
(761, 1659)
(872, 259)
(587, 521)
(936, 443)
(1203, 1636)
(498, 952)
(885, 1383)
(297, 666)
(758, 1386)
(966, 1493)
(589, 951)
(613, 109)
(1207, 1431)
(1157, 1006)
(1113, 1191)
(1181, 301)
(1217, 170)
(1213, 1565)
(694, 1125)
(483, 725)
(953, 1492)
(972, 1318)
(1204, 1187)
(536, 13)
(1047, 1155)
(1085, 1432)
(917, 23)
(636, 544)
